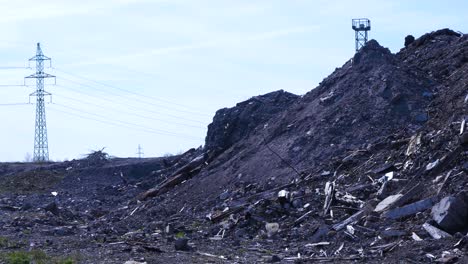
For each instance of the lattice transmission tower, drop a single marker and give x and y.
(140, 152)
(41, 147)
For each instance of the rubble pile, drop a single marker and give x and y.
(370, 166)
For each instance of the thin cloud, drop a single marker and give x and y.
(202, 45)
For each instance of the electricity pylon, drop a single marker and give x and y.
(140, 152)
(41, 147)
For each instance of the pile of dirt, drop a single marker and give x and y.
(232, 125)
(368, 166)
(381, 126)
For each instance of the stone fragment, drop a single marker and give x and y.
(435, 232)
(272, 229)
(182, 244)
(410, 209)
(451, 213)
(53, 208)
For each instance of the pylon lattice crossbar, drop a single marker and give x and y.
(41, 147)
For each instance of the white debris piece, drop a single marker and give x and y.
(389, 175)
(431, 165)
(350, 229)
(462, 128)
(416, 237)
(54, 193)
(385, 203)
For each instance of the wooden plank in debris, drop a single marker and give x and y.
(302, 218)
(435, 232)
(387, 167)
(411, 209)
(323, 243)
(410, 194)
(447, 160)
(228, 213)
(329, 193)
(353, 218)
(358, 187)
(184, 173)
(387, 202)
(347, 198)
(414, 143)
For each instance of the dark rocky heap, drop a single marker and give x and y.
(370, 166)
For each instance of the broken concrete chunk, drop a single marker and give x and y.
(451, 213)
(435, 232)
(272, 229)
(284, 197)
(385, 203)
(328, 97)
(410, 209)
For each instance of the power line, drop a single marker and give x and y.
(13, 67)
(124, 122)
(130, 98)
(128, 113)
(122, 125)
(12, 104)
(138, 94)
(126, 105)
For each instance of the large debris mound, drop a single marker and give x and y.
(357, 107)
(374, 147)
(370, 166)
(232, 125)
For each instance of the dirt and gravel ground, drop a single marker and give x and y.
(382, 125)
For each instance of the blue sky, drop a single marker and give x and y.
(153, 73)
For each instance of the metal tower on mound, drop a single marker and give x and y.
(41, 148)
(361, 26)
